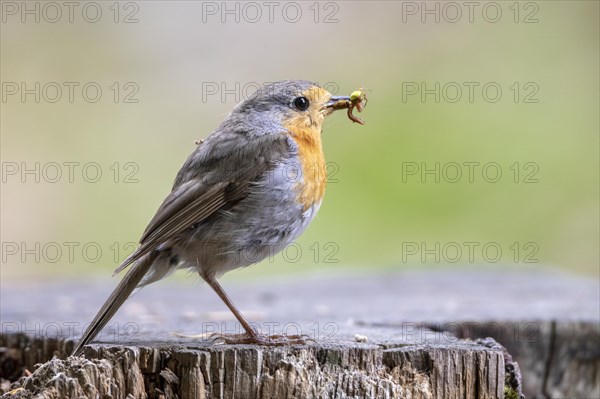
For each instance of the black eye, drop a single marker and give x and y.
(301, 103)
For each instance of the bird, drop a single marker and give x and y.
(248, 190)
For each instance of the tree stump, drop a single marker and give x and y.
(462, 369)
(413, 334)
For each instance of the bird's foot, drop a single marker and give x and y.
(260, 339)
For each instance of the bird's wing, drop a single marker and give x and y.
(217, 174)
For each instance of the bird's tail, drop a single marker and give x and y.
(130, 281)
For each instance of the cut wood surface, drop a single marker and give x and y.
(386, 335)
(462, 369)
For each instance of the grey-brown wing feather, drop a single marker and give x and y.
(217, 174)
(191, 204)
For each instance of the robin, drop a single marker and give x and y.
(246, 191)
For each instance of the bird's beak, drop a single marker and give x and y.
(337, 102)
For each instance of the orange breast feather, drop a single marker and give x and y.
(310, 152)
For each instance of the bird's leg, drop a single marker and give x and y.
(251, 336)
(214, 284)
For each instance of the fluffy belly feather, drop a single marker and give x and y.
(258, 227)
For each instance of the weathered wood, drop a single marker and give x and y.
(462, 369)
(561, 359)
(548, 322)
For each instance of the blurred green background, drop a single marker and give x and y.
(544, 56)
